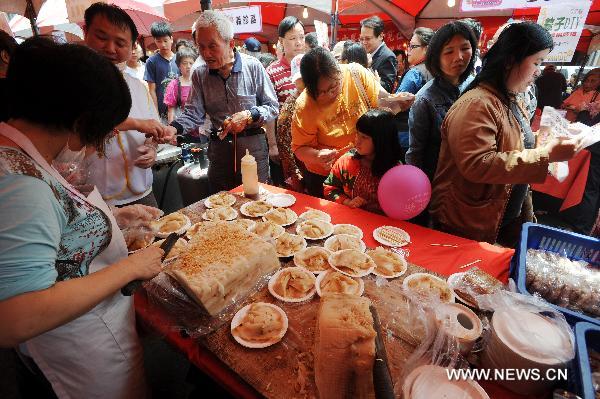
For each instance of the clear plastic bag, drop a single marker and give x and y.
(72, 166)
(564, 282)
(554, 125)
(520, 316)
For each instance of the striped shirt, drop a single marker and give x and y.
(280, 73)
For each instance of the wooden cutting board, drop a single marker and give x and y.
(285, 370)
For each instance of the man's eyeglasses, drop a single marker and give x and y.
(414, 46)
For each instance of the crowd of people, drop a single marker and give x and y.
(330, 123)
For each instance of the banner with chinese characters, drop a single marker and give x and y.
(565, 23)
(245, 19)
(321, 5)
(480, 5)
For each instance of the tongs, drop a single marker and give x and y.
(166, 246)
(382, 379)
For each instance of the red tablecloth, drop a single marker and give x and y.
(572, 188)
(443, 260)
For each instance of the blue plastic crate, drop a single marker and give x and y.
(573, 246)
(587, 335)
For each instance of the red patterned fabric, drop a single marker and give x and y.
(280, 74)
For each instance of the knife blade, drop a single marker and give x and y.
(166, 246)
(382, 379)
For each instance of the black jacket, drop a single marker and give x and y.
(386, 65)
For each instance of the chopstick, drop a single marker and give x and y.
(444, 245)
(470, 264)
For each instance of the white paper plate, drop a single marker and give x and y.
(354, 230)
(191, 233)
(239, 316)
(452, 280)
(377, 236)
(281, 200)
(229, 201)
(335, 255)
(274, 278)
(180, 231)
(279, 230)
(330, 241)
(328, 229)
(293, 253)
(291, 221)
(245, 223)
(397, 257)
(300, 262)
(416, 276)
(321, 277)
(145, 246)
(315, 214)
(232, 216)
(244, 209)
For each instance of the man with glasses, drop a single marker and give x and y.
(384, 60)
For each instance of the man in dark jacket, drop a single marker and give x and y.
(384, 60)
(551, 86)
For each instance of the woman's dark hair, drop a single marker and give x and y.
(185, 52)
(355, 53)
(114, 14)
(67, 86)
(317, 63)
(424, 35)
(311, 40)
(184, 43)
(7, 43)
(160, 29)
(380, 126)
(440, 39)
(288, 24)
(516, 42)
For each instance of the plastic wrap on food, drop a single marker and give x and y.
(570, 284)
(138, 237)
(131, 216)
(471, 283)
(204, 287)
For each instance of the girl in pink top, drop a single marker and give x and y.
(178, 89)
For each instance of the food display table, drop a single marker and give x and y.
(274, 372)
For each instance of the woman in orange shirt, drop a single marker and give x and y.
(324, 122)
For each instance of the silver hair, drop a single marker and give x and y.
(216, 19)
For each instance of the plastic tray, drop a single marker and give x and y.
(573, 246)
(587, 335)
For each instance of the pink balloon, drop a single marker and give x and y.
(404, 192)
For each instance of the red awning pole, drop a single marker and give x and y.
(334, 24)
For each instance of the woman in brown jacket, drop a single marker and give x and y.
(487, 156)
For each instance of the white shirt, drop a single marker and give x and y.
(136, 72)
(117, 183)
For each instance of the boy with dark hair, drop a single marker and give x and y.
(161, 67)
(384, 61)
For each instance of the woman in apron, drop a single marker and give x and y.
(63, 259)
